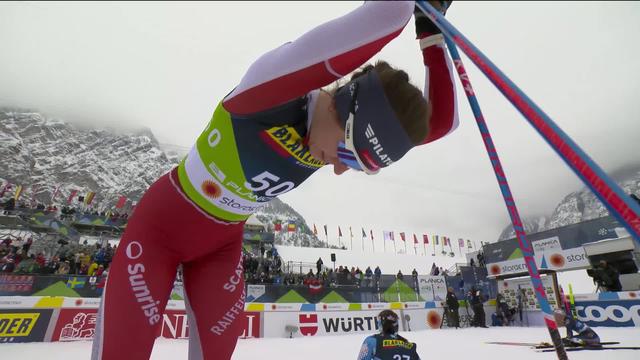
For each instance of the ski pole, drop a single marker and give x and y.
(509, 201)
(524, 244)
(608, 192)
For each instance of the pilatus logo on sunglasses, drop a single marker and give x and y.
(379, 150)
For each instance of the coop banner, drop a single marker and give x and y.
(619, 313)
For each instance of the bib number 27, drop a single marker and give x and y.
(401, 357)
(269, 182)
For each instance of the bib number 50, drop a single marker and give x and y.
(269, 182)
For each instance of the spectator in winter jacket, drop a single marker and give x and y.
(40, 259)
(27, 245)
(377, 273)
(367, 275)
(452, 308)
(27, 266)
(8, 266)
(64, 268)
(399, 275)
(92, 269)
(319, 264)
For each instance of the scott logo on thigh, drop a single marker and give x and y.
(136, 270)
(234, 282)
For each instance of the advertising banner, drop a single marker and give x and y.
(570, 236)
(23, 325)
(75, 324)
(16, 284)
(422, 319)
(320, 323)
(548, 255)
(18, 302)
(254, 292)
(619, 313)
(432, 288)
(80, 323)
(520, 291)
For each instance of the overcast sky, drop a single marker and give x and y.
(166, 65)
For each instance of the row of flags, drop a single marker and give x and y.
(424, 239)
(86, 199)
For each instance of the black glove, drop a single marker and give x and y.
(424, 24)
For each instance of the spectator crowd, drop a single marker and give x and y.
(93, 260)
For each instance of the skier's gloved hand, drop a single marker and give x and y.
(424, 25)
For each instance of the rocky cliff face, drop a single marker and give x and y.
(579, 205)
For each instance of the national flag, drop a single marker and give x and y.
(89, 198)
(71, 196)
(339, 231)
(402, 236)
(315, 231)
(460, 242)
(425, 238)
(277, 227)
(415, 239)
(16, 196)
(371, 232)
(5, 188)
(388, 235)
(435, 239)
(350, 232)
(75, 282)
(325, 231)
(469, 244)
(364, 234)
(291, 227)
(121, 201)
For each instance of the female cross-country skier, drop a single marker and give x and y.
(268, 135)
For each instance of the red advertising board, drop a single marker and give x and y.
(75, 324)
(79, 324)
(175, 325)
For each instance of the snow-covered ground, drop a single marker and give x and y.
(432, 344)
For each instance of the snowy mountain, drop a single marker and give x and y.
(531, 225)
(41, 153)
(580, 205)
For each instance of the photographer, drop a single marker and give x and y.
(606, 276)
(452, 308)
(477, 299)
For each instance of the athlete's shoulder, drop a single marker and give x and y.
(368, 348)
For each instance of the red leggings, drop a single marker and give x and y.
(166, 231)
